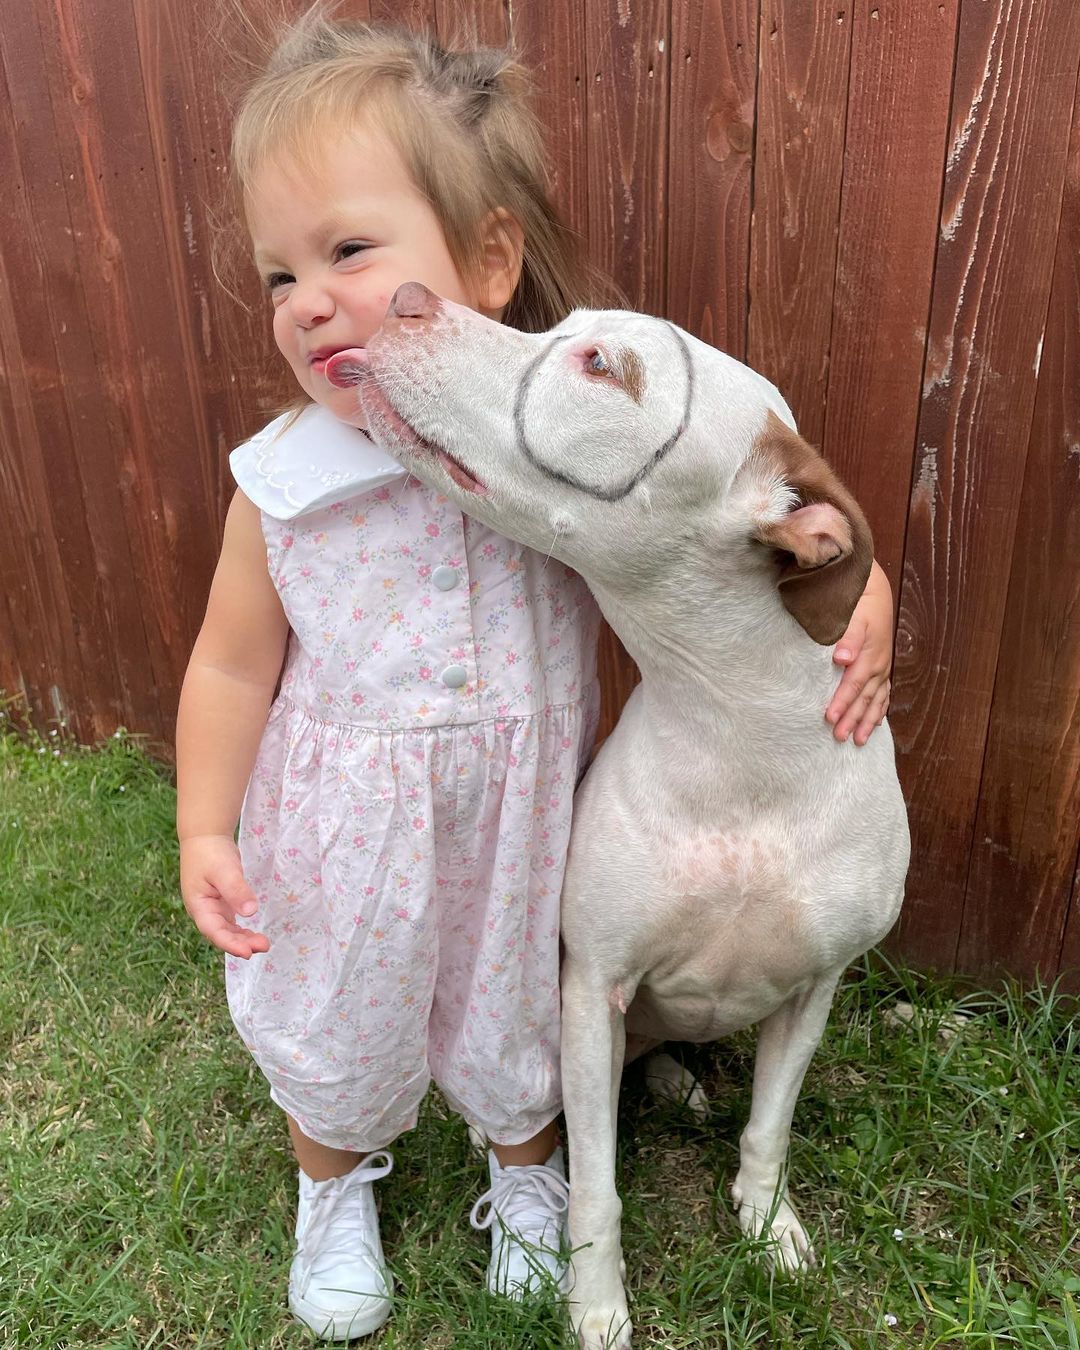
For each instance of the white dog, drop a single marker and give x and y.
(729, 858)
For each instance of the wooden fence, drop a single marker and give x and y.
(875, 202)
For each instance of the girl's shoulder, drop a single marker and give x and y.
(304, 462)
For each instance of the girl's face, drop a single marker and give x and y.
(333, 246)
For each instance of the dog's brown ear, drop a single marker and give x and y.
(824, 549)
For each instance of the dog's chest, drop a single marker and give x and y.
(735, 936)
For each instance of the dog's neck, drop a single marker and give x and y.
(716, 664)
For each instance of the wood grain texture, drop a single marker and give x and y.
(899, 91)
(1027, 830)
(628, 50)
(551, 42)
(798, 162)
(714, 53)
(77, 568)
(1013, 93)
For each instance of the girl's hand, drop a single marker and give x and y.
(862, 697)
(216, 894)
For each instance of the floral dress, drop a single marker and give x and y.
(406, 824)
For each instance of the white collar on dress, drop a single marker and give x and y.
(310, 465)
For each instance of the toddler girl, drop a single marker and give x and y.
(408, 789)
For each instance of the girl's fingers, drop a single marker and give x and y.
(217, 925)
(849, 689)
(874, 715)
(854, 715)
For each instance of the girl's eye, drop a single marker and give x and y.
(351, 248)
(276, 279)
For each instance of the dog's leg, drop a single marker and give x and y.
(593, 1042)
(671, 1081)
(787, 1040)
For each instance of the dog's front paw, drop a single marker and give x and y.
(603, 1327)
(774, 1222)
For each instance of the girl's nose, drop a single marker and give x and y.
(310, 304)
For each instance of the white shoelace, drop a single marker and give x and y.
(536, 1193)
(324, 1211)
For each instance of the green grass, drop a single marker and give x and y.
(147, 1191)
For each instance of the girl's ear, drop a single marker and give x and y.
(503, 252)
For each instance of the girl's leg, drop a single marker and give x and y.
(318, 1160)
(538, 1149)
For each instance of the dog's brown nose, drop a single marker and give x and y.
(413, 300)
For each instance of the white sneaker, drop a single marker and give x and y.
(338, 1285)
(526, 1209)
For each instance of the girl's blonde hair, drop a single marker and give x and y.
(462, 124)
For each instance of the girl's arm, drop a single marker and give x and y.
(226, 696)
(862, 697)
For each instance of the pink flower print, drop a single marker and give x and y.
(360, 841)
(316, 878)
(554, 640)
(401, 914)
(305, 572)
(287, 541)
(376, 646)
(549, 861)
(292, 852)
(258, 831)
(511, 658)
(373, 1002)
(424, 571)
(383, 494)
(512, 760)
(418, 822)
(529, 689)
(433, 530)
(416, 640)
(358, 920)
(357, 614)
(406, 551)
(424, 672)
(281, 581)
(291, 804)
(358, 700)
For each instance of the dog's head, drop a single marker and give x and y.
(619, 444)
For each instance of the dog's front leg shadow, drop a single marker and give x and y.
(787, 1039)
(593, 1044)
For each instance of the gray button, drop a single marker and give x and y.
(445, 578)
(455, 676)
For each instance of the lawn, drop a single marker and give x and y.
(148, 1191)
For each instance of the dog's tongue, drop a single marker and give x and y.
(348, 368)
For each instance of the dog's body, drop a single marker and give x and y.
(729, 858)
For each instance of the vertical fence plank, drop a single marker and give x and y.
(898, 116)
(798, 161)
(628, 53)
(79, 572)
(552, 45)
(1028, 826)
(1015, 75)
(714, 49)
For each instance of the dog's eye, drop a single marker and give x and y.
(597, 363)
